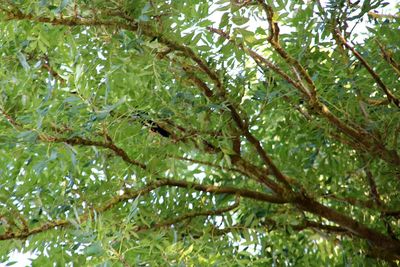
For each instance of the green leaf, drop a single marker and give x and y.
(94, 249)
(238, 20)
(28, 136)
(22, 61)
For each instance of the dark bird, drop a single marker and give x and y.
(152, 125)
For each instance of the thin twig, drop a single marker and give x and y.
(189, 216)
(389, 58)
(391, 97)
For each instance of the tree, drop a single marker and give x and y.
(139, 132)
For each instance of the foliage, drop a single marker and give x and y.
(200, 133)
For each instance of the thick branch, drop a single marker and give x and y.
(366, 204)
(388, 246)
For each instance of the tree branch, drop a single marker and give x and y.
(389, 58)
(188, 216)
(383, 16)
(391, 97)
(86, 142)
(273, 39)
(271, 225)
(353, 131)
(387, 245)
(132, 194)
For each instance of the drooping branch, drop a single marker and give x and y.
(109, 144)
(132, 194)
(86, 142)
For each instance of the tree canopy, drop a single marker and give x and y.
(200, 133)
